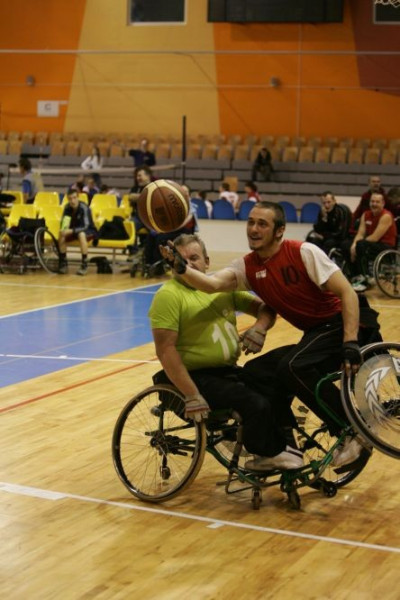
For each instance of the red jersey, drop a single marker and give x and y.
(283, 283)
(371, 223)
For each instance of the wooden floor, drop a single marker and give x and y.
(70, 530)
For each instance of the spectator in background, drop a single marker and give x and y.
(226, 194)
(143, 156)
(29, 187)
(105, 189)
(91, 188)
(262, 165)
(252, 191)
(332, 224)
(94, 163)
(142, 176)
(375, 187)
(376, 232)
(76, 224)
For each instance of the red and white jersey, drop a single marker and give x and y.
(290, 283)
(372, 222)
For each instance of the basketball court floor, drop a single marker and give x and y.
(74, 351)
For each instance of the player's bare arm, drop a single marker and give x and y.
(338, 285)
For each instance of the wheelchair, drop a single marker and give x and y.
(387, 272)
(18, 252)
(157, 453)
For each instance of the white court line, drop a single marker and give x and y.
(78, 358)
(141, 290)
(211, 523)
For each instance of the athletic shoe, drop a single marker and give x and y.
(82, 269)
(63, 268)
(290, 458)
(347, 452)
(358, 279)
(359, 287)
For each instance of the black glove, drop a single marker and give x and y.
(351, 354)
(173, 258)
(179, 264)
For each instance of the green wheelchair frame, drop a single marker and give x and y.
(157, 453)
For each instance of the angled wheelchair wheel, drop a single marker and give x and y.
(315, 441)
(371, 397)
(387, 272)
(157, 453)
(46, 247)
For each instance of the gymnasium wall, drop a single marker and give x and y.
(111, 77)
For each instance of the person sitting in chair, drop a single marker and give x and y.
(198, 345)
(332, 224)
(376, 232)
(76, 224)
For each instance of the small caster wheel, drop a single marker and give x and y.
(294, 499)
(165, 473)
(256, 499)
(329, 489)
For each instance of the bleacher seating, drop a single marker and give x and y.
(304, 166)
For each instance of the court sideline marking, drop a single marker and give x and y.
(211, 523)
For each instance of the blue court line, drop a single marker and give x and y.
(93, 327)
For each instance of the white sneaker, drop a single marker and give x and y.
(358, 279)
(290, 458)
(347, 452)
(359, 287)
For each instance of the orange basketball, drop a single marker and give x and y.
(163, 206)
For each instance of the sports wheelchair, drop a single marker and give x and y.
(18, 251)
(157, 453)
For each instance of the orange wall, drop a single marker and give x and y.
(40, 24)
(144, 78)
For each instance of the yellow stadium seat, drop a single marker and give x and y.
(20, 210)
(126, 205)
(53, 225)
(48, 212)
(107, 214)
(46, 199)
(101, 201)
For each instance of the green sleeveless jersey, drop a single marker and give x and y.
(206, 323)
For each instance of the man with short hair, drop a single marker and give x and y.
(375, 187)
(76, 224)
(300, 283)
(198, 346)
(332, 224)
(376, 232)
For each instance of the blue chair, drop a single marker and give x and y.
(244, 209)
(201, 208)
(222, 209)
(290, 212)
(309, 212)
